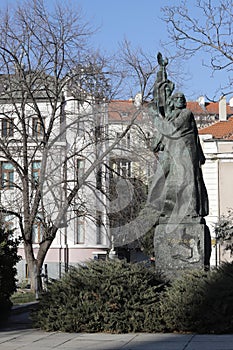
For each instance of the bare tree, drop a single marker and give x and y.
(52, 114)
(138, 69)
(206, 27)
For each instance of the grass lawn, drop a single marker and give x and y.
(23, 296)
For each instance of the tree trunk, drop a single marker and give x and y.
(35, 264)
(34, 269)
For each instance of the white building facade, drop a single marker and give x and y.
(217, 144)
(72, 157)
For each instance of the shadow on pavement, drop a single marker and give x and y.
(19, 318)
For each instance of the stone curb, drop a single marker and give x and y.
(21, 308)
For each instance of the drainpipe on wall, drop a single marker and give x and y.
(217, 246)
(222, 118)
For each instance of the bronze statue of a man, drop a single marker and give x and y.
(177, 189)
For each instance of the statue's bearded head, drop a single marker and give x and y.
(179, 100)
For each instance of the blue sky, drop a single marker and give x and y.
(140, 22)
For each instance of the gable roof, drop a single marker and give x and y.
(117, 108)
(209, 108)
(220, 130)
(121, 110)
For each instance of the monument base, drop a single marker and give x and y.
(181, 247)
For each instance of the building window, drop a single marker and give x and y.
(124, 114)
(7, 175)
(37, 127)
(80, 168)
(99, 228)
(124, 142)
(81, 126)
(128, 140)
(62, 123)
(121, 167)
(37, 231)
(99, 133)
(124, 168)
(36, 165)
(27, 272)
(7, 127)
(80, 233)
(99, 178)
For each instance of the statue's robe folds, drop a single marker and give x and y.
(177, 189)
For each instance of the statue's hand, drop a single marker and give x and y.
(162, 62)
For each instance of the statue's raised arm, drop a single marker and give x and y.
(163, 87)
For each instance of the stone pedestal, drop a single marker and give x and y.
(180, 247)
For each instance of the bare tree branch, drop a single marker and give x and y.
(205, 27)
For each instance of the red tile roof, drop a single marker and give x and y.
(117, 108)
(210, 108)
(220, 130)
(121, 110)
(124, 110)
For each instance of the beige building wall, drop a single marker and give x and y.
(218, 177)
(225, 185)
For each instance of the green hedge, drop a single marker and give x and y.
(114, 296)
(8, 260)
(180, 304)
(200, 302)
(111, 296)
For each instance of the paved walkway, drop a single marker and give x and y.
(18, 334)
(32, 339)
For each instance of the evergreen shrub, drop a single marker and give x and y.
(103, 296)
(8, 260)
(217, 311)
(180, 303)
(200, 302)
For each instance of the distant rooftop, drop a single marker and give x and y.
(121, 110)
(209, 108)
(206, 115)
(220, 130)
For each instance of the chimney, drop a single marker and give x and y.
(201, 102)
(222, 109)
